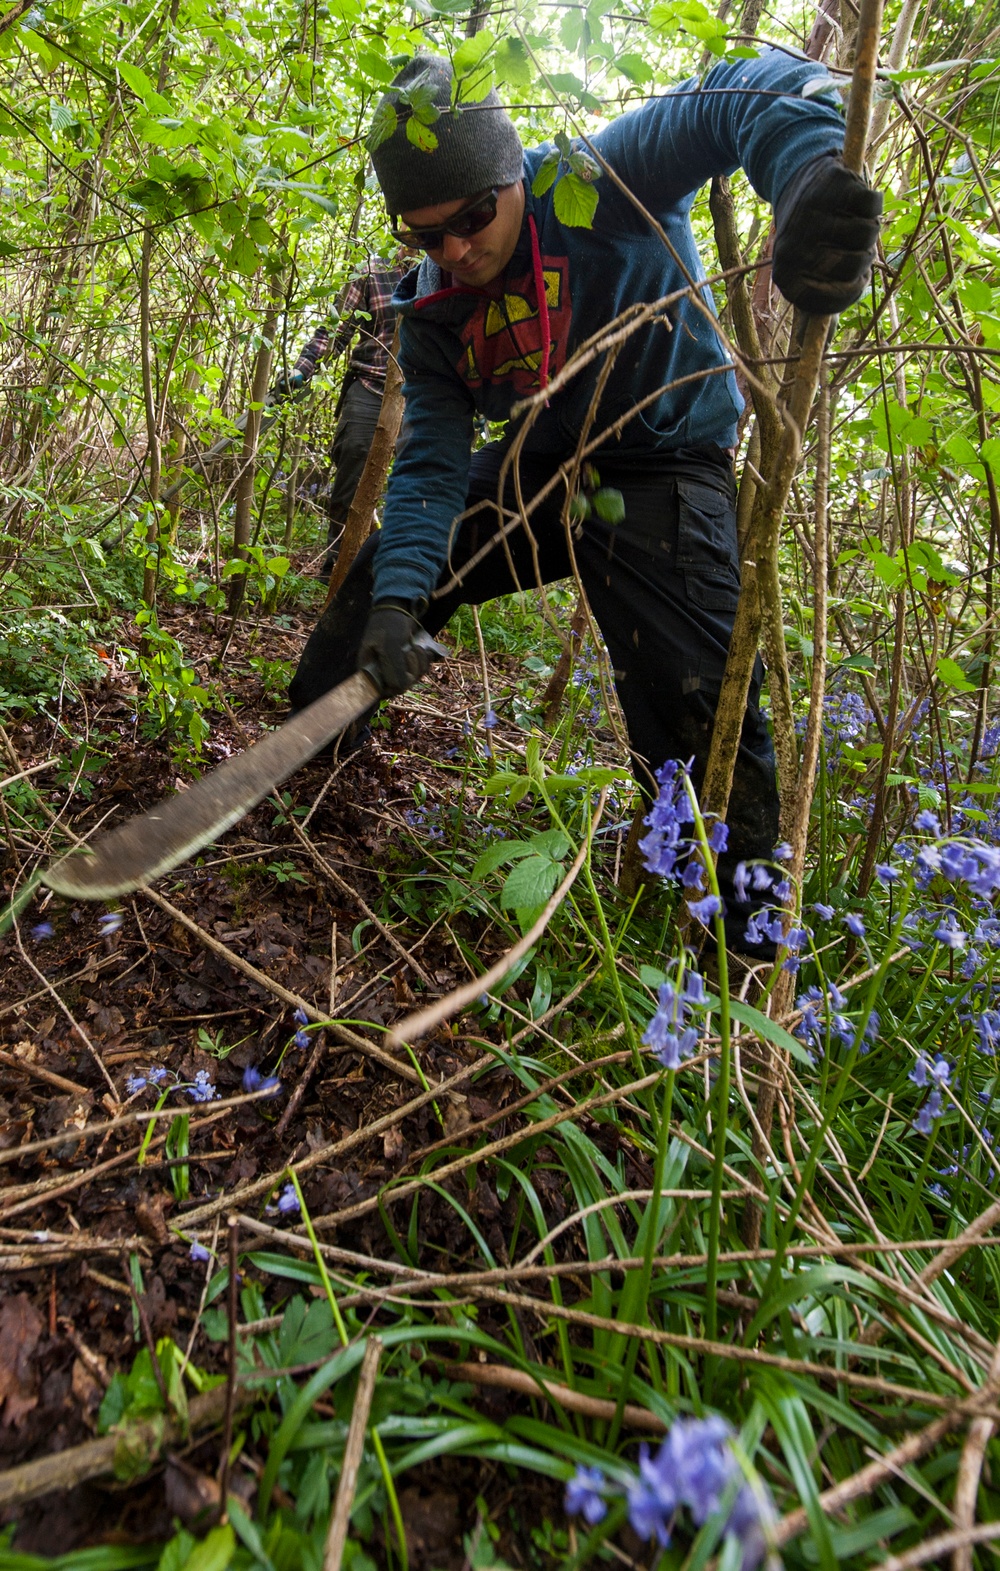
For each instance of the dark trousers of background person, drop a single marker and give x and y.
(662, 585)
(357, 418)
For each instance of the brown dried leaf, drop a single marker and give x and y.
(393, 1143)
(20, 1329)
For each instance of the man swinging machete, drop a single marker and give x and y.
(505, 294)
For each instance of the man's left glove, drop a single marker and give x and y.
(395, 651)
(826, 230)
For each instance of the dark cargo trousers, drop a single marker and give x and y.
(663, 586)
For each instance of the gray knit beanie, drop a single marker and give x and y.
(477, 145)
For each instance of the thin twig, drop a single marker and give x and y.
(353, 1451)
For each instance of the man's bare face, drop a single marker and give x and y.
(481, 257)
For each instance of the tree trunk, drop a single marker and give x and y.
(248, 458)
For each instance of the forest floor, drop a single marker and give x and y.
(93, 1249)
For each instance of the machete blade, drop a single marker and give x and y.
(154, 842)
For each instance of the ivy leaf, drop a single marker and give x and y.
(575, 202)
(513, 63)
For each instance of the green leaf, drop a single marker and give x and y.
(230, 217)
(471, 51)
(513, 63)
(761, 1026)
(545, 173)
(384, 122)
(951, 674)
(609, 505)
(214, 1552)
(137, 80)
(244, 256)
(531, 883)
(575, 201)
(635, 67)
(420, 135)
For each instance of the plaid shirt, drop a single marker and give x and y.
(371, 291)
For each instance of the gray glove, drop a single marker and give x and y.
(395, 651)
(826, 230)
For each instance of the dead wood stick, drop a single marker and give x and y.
(425, 1020)
(97, 1458)
(934, 1548)
(970, 1469)
(573, 1401)
(353, 1450)
(342, 1032)
(294, 1101)
(361, 514)
(59, 1081)
(41, 1192)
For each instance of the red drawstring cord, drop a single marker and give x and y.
(543, 304)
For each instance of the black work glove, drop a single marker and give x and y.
(395, 651)
(826, 229)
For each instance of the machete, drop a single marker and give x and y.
(154, 842)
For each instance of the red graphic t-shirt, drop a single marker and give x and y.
(503, 341)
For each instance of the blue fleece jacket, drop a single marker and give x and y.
(466, 350)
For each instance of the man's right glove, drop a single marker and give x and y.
(826, 230)
(395, 651)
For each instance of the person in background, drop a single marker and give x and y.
(367, 316)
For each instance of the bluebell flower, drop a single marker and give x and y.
(938, 1190)
(932, 1109)
(991, 740)
(41, 931)
(886, 874)
(156, 1076)
(300, 1017)
(741, 882)
(854, 924)
(198, 1253)
(704, 910)
(782, 890)
(490, 720)
(693, 876)
(301, 1038)
(718, 836)
(584, 1495)
(649, 1510)
(761, 878)
(253, 1080)
(202, 1089)
(795, 938)
(694, 988)
(970, 965)
(928, 822)
(134, 1084)
(783, 852)
(288, 1201)
(109, 923)
(988, 1028)
(949, 933)
(823, 911)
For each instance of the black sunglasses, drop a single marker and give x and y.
(469, 220)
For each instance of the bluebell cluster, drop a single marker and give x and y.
(671, 853)
(936, 1073)
(695, 1468)
(301, 1037)
(672, 1032)
(425, 821)
(846, 718)
(253, 1080)
(823, 1019)
(200, 1089)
